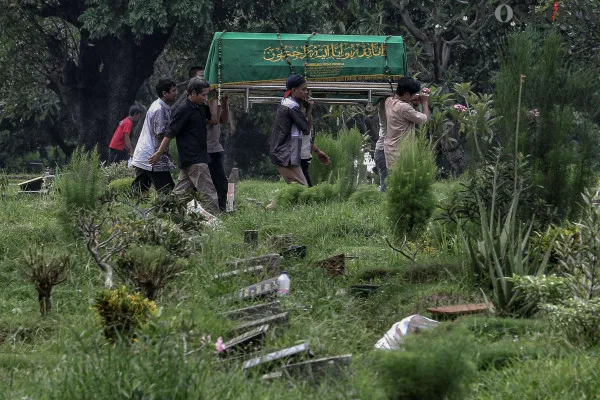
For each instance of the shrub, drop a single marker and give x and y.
(321, 193)
(578, 319)
(120, 186)
(122, 312)
(80, 184)
(118, 170)
(432, 365)
(410, 197)
(346, 161)
(367, 194)
(289, 194)
(150, 268)
(45, 270)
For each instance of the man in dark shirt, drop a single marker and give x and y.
(188, 125)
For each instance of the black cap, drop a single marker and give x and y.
(294, 81)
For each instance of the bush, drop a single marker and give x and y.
(433, 365)
(116, 171)
(346, 161)
(410, 197)
(120, 186)
(150, 268)
(290, 194)
(367, 194)
(122, 312)
(80, 184)
(321, 193)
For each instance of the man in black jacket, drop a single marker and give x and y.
(290, 124)
(188, 125)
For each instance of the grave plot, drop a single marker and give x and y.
(258, 270)
(248, 342)
(253, 312)
(335, 266)
(282, 356)
(272, 320)
(262, 289)
(271, 263)
(315, 370)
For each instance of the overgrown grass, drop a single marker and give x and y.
(66, 356)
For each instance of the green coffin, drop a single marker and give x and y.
(237, 58)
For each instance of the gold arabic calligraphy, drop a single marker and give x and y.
(336, 51)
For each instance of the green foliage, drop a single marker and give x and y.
(122, 312)
(318, 194)
(3, 182)
(503, 250)
(156, 231)
(150, 268)
(80, 184)
(289, 195)
(120, 186)
(346, 160)
(542, 289)
(367, 194)
(578, 254)
(410, 199)
(118, 170)
(578, 319)
(558, 128)
(432, 365)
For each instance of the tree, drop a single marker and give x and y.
(95, 54)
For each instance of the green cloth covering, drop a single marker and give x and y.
(259, 58)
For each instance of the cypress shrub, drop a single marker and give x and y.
(410, 197)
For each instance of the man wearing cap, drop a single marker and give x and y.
(290, 124)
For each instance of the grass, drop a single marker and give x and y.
(66, 356)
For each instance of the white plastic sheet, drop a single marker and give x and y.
(393, 339)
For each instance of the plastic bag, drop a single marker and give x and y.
(393, 339)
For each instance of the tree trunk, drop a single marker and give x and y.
(99, 90)
(45, 303)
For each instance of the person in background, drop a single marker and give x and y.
(289, 127)
(120, 148)
(188, 125)
(156, 123)
(402, 117)
(379, 151)
(220, 115)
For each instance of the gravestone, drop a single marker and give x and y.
(281, 356)
(246, 342)
(271, 262)
(258, 290)
(234, 178)
(259, 269)
(277, 319)
(294, 251)
(258, 311)
(32, 185)
(251, 237)
(315, 370)
(335, 265)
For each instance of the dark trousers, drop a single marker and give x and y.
(162, 181)
(115, 156)
(380, 164)
(305, 164)
(217, 173)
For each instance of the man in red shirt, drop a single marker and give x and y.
(120, 148)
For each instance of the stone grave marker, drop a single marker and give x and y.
(271, 262)
(294, 251)
(281, 355)
(315, 370)
(259, 269)
(261, 289)
(34, 185)
(251, 237)
(277, 319)
(257, 311)
(246, 342)
(234, 178)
